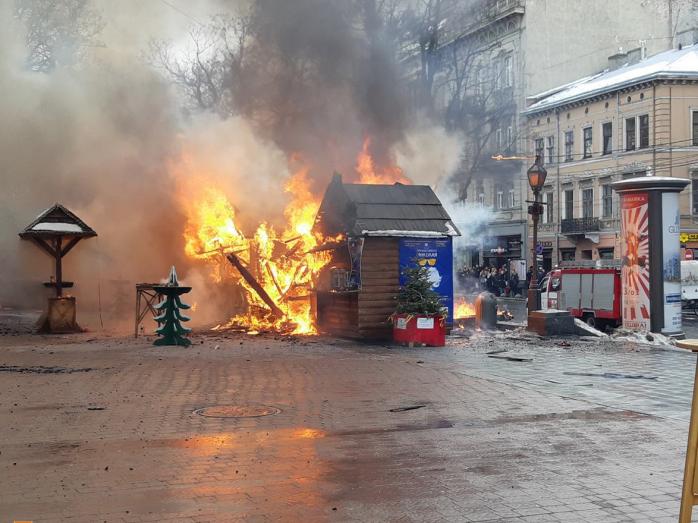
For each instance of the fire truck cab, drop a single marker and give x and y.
(591, 292)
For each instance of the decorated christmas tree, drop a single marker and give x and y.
(416, 296)
(171, 331)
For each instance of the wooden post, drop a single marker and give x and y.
(688, 497)
(235, 261)
(59, 266)
(138, 312)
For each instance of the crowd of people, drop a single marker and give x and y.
(500, 281)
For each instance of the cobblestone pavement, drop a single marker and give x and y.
(105, 430)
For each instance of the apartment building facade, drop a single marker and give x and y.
(637, 120)
(517, 54)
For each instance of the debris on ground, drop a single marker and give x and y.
(509, 358)
(584, 329)
(655, 339)
(612, 375)
(41, 369)
(404, 409)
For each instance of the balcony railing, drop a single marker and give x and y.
(580, 225)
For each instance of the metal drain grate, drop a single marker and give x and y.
(237, 411)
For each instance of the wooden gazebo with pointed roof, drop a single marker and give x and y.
(56, 231)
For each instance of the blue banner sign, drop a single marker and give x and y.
(437, 256)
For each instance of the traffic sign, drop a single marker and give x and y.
(539, 248)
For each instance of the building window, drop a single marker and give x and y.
(512, 199)
(479, 79)
(694, 122)
(606, 253)
(498, 139)
(588, 203)
(510, 137)
(498, 197)
(508, 71)
(567, 254)
(569, 204)
(481, 198)
(339, 279)
(587, 142)
(497, 80)
(538, 145)
(548, 212)
(630, 134)
(569, 145)
(607, 132)
(607, 201)
(551, 149)
(644, 131)
(694, 191)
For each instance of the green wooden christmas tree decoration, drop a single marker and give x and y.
(171, 331)
(416, 296)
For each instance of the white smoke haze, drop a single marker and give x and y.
(429, 155)
(472, 220)
(108, 139)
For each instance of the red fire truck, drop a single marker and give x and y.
(590, 291)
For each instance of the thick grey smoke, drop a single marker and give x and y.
(104, 139)
(107, 138)
(318, 77)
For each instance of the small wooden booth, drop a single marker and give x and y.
(384, 228)
(56, 231)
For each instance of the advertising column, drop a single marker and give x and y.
(635, 268)
(671, 258)
(651, 253)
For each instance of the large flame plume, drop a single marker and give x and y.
(371, 174)
(285, 261)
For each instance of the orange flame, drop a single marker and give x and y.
(368, 173)
(464, 309)
(280, 262)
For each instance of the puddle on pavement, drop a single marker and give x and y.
(237, 411)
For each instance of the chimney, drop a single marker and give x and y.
(617, 60)
(622, 58)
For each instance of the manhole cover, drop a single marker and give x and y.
(237, 411)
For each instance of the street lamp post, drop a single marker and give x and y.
(536, 179)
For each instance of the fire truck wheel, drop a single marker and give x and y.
(591, 321)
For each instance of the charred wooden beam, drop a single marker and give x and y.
(235, 261)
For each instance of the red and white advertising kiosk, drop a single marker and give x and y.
(651, 253)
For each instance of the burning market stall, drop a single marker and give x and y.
(56, 231)
(387, 227)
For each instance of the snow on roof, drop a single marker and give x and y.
(57, 227)
(411, 234)
(675, 63)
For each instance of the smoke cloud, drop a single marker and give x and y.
(108, 139)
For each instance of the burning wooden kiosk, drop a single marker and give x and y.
(56, 231)
(386, 227)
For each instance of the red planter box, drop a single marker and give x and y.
(429, 330)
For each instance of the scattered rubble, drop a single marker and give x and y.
(42, 370)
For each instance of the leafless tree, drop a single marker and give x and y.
(208, 68)
(457, 82)
(58, 32)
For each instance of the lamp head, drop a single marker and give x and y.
(536, 174)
